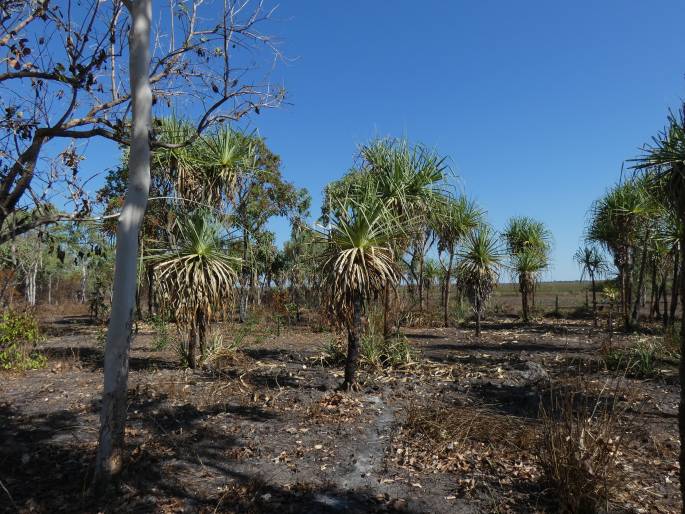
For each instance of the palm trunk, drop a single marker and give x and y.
(201, 334)
(110, 456)
(653, 296)
(478, 308)
(665, 299)
(524, 299)
(675, 288)
(635, 315)
(353, 335)
(625, 295)
(448, 276)
(386, 311)
(681, 406)
(193, 337)
(594, 300)
(422, 303)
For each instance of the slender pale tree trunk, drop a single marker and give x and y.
(244, 279)
(110, 453)
(84, 282)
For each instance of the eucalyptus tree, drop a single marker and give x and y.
(528, 244)
(260, 194)
(478, 269)
(357, 263)
(452, 220)
(617, 222)
(196, 276)
(593, 265)
(198, 62)
(664, 161)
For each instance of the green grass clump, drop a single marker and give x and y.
(638, 361)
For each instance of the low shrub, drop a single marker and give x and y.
(671, 340)
(333, 352)
(19, 336)
(461, 312)
(162, 338)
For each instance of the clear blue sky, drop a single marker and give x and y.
(537, 103)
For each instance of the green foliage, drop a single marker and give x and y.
(19, 335)
(591, 262)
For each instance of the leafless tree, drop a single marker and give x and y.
(64, 77)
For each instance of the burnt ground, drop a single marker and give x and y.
(266, 431)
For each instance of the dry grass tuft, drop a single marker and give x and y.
(440, 437)
(580, 440)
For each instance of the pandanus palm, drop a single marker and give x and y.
(204, 172)
(410, 181)
(664, 160)
(528, 264)
(528, 244)
(617, 221)
(591, 263)
(195, 275)
(451, 221)
(357, 264)
(478, 269)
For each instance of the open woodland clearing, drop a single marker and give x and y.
(185, 327)
(456, 429)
